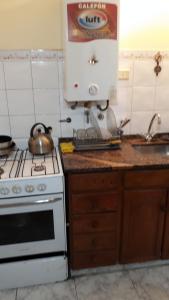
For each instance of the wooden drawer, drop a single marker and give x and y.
(149, 178)
(94, 181)
(96, 241)
(94, 223)
(102, 202)
(93, 259)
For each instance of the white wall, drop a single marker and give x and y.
(144, 25)
(30, 24)
(37, 24)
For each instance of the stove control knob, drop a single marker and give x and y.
(16, 189)
(41, 187)
(4, 191)
(29, 188)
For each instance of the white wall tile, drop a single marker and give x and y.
(162, 98)
(143, 99)
(2, 78)
(15, 55)
(46, 101)
(45, 74)
(163, 76)
(164, 127)
(65, 107)
(61, 74)
(3, 103)
(137, 98)
(18, 75)
(20, 102)
(124, 100)
(21, 143)
(21, 126)
(4, 125)
(78, 121)
(144, 73)
(140, 122)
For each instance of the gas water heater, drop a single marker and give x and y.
(90, 49)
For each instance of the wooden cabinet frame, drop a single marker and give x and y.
(117, 217)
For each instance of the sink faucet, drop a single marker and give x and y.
(150, 135)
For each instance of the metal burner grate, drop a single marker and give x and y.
(39, 168)
(9, 165)
(39, 165)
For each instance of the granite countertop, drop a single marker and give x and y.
(120, 159)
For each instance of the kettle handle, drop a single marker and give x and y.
(36, 124)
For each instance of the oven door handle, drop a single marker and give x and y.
(30, 203)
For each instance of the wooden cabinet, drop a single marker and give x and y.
(94, 217)
(143, 222)
(145, 216)
(165, 245)
(118, 217)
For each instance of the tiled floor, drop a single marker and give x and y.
(143, 284)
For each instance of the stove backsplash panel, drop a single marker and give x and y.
(31, 90)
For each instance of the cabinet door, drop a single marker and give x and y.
(143, 219)
(165, 246)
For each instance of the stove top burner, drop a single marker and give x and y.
(21, 163)
(1, 171)
(9, 164)
(39, 168)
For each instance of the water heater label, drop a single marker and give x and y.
(88, 21)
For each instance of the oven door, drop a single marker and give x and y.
(32, 225)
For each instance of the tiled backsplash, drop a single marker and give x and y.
(31, 90)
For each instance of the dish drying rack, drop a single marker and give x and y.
(91, 139)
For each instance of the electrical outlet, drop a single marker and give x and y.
(123, 74)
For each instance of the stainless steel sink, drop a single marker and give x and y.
(162, 149)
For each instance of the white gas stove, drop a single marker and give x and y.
(32, 215)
